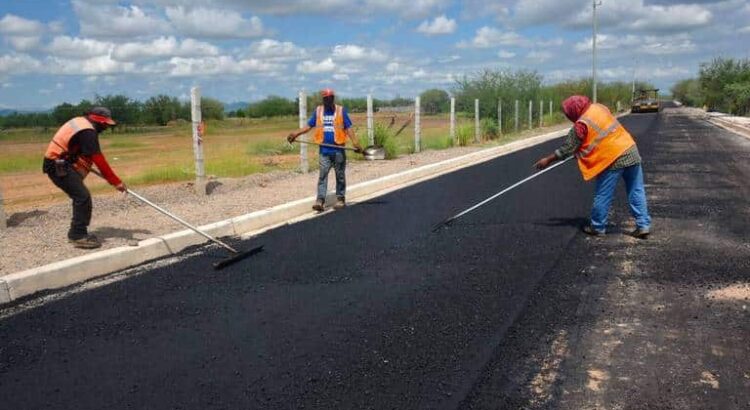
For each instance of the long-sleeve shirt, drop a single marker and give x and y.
(573, 141)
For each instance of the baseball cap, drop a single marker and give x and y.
(101, 115)
(327, 92)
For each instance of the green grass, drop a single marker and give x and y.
(21, 163)
(437, 142)
(168, 173)
(125, 143)
(227, 167)
(269, 147)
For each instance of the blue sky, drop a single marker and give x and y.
(53, 51)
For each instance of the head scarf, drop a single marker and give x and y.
(574, 106)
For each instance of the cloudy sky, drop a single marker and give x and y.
(242, 50)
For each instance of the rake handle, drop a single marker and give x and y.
(173, 216)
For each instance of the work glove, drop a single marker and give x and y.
(359, 150)
(291, 138)
(121, 187)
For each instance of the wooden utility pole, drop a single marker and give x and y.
(370, 124)
(476, 120)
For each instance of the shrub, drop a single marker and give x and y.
(464, 134)
(384, 138)
(489, 128)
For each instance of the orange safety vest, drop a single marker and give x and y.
(339, 133)
(59, 147)
(605, 141)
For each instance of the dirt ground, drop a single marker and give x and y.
(118, 219)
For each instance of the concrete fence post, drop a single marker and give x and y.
(477, 131)
(515, 121)
(304, 163)
(541, 113)
(550, 107)
(370, 125)
(198, 129)
(417, 125)
(500, 116)
(453, 120)
(3, 219)
(618, 106)
(531, 110)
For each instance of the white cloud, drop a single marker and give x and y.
(22, 34)
(506, 54)
(215, 23)
(74, 47)
(392, 67)
(440, 25)
(654, 45)
(276, 50)
(539, 56)
(744, 29)
(185, 67)
(351, 52)
(108, 20)
(341, 77)
(101, 65)
(412, 9)
(487, 37)
(12, 25)
(164, 47)
(18, 64)
(316, 67)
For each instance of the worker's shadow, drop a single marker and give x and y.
(574, 222)
(127, 234)
(20, 217)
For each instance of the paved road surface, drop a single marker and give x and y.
(510, 307)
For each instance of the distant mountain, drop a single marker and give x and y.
(239, 105)
(8, 111)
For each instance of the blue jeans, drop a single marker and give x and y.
(606, 183)
(336, 160)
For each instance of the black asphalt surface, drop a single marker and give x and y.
(367, 308)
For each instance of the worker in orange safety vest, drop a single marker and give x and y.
(332, 128)
(605, 151)
(68, 160)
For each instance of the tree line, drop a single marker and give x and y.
(723, 84)
(157, 110)
(489, 86)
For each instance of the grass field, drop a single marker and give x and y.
(233, 148)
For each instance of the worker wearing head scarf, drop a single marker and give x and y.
(606, 152)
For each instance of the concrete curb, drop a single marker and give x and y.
(79, 269)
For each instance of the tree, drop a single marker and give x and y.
(434, 101)
(271, 106)
(161, 109)
(211, 109)
(124, 110)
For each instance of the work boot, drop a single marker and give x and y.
(87, 242)
(641, 233)
(319, 205)
(589, 230)
(340, 203)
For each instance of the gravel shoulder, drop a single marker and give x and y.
(37, 236)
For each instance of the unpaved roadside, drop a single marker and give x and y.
(37, 235)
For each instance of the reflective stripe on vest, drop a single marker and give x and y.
(339, 133)
(59, 147)
(606, 139)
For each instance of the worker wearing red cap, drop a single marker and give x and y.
(68, 159)
(332, 127)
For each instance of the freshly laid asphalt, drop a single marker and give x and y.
(368, 308)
